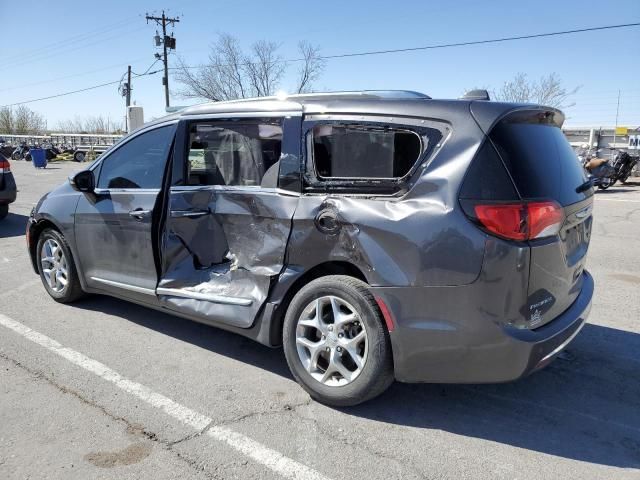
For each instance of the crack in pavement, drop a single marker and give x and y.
(131, 427)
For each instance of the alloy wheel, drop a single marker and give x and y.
(54, 265)
(331, 341)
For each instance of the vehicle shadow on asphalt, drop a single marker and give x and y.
(13, 225)
(615, 190)
(585, 406)
(210, 338)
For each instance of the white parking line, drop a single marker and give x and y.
(272, 459)
(618, 200)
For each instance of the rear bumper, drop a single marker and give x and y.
(8, 190)
(477, 349)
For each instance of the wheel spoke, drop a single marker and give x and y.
(314, 349)
(52, 278)
(60, 279)
(339, 317)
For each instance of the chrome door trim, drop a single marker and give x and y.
(124, 286)
(209, 297)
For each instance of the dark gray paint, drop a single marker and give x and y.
(457, 296)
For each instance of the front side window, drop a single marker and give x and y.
(140, 162)
(233, 153)
(354, 151)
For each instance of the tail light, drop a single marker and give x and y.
(5, 167)
(519, 221)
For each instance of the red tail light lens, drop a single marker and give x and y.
(520, 221)
(5, 166)
(505, 220)
(545, 219)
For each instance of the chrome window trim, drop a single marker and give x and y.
(232, 115)
(234, 188)
(103, 191)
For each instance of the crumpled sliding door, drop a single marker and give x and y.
(222, 246)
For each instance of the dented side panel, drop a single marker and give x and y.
(230, 253)
(418, 239)
(223, 246)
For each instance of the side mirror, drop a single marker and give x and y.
(83, 181)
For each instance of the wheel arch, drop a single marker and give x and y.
(290, 282)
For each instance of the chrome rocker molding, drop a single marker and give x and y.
(176, 292)
(208, 297)
(124, 286)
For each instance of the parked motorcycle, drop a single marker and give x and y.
(601, 172)
(20, 152)
(623, 165)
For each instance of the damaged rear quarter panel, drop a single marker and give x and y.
(418, 239)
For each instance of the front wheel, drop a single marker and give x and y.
(79, 156)
(57, 270)
(336, 343)
(16, 156)
(606, 183)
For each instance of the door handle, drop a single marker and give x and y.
(188, 213)
(139, 213)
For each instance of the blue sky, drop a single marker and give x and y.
(48, 50)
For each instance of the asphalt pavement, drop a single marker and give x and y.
(107, 389)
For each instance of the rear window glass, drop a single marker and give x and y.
(341, 151)
(540, 160)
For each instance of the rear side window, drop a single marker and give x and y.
(540, 161)
(487, 178)
(353, 151)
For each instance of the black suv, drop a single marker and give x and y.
(375, 235)
(8, 188)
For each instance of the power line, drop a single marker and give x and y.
(482, 42)
(64, 77)
(46, 55)
(437, 46)
(93, 87)
(376, 52)
(73, 39)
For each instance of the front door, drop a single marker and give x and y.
(228, 220)
(114, 227)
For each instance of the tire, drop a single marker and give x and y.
(376, 373)
(79, 156)
(16, 156)
(606, 184)
(4, 211)
(72, 290)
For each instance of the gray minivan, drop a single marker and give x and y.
(374, 235)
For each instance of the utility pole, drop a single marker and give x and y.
(125, 91)
(168, 43)
(615, 129)
(129, 85)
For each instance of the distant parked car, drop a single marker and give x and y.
(8, 188)
(375, 235)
